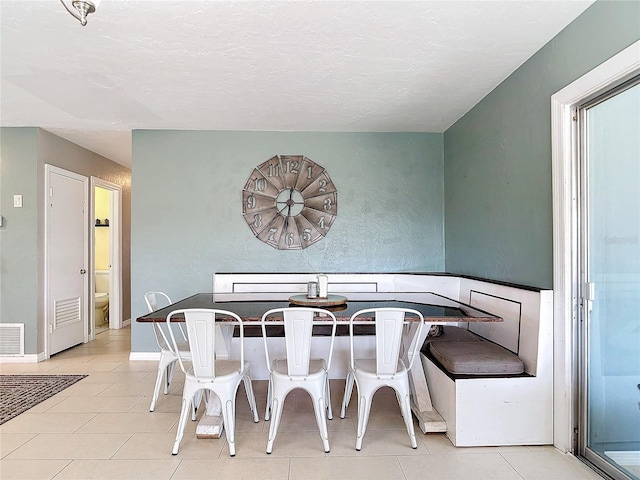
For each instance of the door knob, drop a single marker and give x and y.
(82, 271)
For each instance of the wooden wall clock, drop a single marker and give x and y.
(289, 202)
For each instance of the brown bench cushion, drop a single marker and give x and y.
(476, 358)
(449, 333)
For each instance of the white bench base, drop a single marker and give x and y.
(490, 411)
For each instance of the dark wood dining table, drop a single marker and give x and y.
(436, 310)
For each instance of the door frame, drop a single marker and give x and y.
(564, 150)
(48, 169)
(115, 241)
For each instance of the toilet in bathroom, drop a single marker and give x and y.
(102, 297)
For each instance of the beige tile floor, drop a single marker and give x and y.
(101, 428)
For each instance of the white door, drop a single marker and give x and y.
(66, 247)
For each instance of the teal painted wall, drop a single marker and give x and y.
(187, 218)
(498, 197)
(23, 154)
(19, 235)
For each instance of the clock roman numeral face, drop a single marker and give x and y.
(289, 202)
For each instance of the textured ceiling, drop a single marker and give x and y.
(347, 66)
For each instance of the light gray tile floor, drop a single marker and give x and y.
(101, 428)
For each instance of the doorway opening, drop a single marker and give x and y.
(101, 257)
(106, 266)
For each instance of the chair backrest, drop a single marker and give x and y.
(201, 333)
(390, 324)
(156, 301)
(298, 329)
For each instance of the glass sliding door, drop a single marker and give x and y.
(609, 430)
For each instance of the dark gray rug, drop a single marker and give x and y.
(18, 393)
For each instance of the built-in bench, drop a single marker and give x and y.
(485, 405)
(477, 409)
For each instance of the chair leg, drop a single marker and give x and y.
(364, 409)
(267, 413)
(408, 418)
(248, 388)
(169, 376)
(156, 390)
(195, 405)
(277, 402)
(327, 394)
(186, 403)
(229, 419)
(348, 388)
(319, 408)
(163, 372)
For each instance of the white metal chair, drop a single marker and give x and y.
(298, 369)
(168, 358)
(222, 377)
(390, 366)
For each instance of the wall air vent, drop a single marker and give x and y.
(11, 339)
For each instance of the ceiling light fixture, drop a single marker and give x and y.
(81, 8)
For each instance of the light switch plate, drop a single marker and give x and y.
(17, 201)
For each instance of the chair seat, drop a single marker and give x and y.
(367, 367)
(183, 350)
(317, 366)
(225, 370)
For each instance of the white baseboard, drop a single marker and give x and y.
(126, 322)
(31, 358)
(144, 356)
